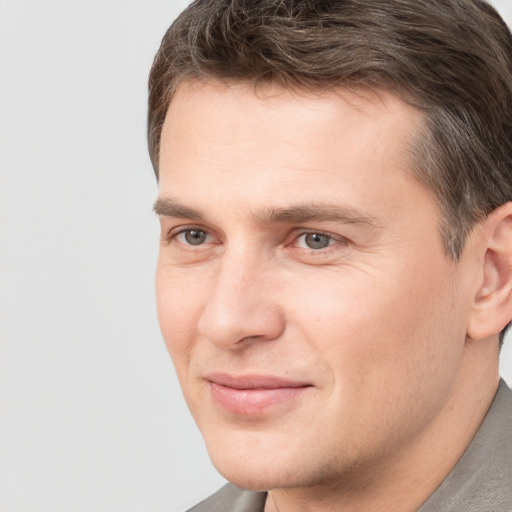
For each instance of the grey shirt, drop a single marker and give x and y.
(480, 482)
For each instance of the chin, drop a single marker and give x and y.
(246, 471)
(255, 479)
(261, 470)
(261, 457)
(249, 483)
(249, 470)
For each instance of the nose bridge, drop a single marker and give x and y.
(237, 271)
(241, 304)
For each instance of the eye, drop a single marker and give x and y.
(192, 237)
(315, 241)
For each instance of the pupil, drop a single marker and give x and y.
(195, 237)
(317, 241)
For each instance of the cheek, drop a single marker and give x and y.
(370, 321)
(379, 337)
(178, 307)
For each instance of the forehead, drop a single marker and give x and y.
(232, 141)
(195, 102)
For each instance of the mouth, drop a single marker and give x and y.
(253, 395)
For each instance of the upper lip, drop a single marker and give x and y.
(252, 381)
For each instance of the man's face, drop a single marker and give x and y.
(314, 320)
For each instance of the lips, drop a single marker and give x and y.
(252, 395)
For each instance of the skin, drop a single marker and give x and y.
(375, 323)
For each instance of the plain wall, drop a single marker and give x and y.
(91, 416)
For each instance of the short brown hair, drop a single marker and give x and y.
(452, 59)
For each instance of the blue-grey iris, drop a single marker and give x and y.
(195, 236)
(317, 240)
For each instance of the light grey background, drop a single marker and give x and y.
(91, 417)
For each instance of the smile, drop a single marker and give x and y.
(253, 395)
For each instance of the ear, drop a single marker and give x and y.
(491, 308)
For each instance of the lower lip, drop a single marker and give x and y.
(252, 402)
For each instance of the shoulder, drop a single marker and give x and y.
(481, 479)
(232, 499)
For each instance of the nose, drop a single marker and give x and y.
(241, 307)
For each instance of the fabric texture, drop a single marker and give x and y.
(232, 499)
(480, 482)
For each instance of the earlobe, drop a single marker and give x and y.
(492, 304)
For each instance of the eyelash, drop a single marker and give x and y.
(332, 239)
(188, 230)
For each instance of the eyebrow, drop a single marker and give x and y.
(313, 212)
(294, 214)
(166, 207)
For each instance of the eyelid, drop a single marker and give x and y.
(303, 232)
(293, 237)
(173, 233)
(181, 237)
(331, 241)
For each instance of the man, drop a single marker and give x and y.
(335, 268)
